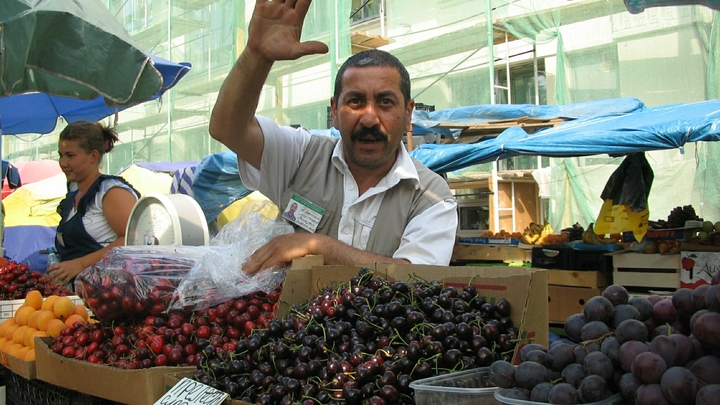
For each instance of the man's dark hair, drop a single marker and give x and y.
(374, 57)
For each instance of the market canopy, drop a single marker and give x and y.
(38, 112)
(72, 48)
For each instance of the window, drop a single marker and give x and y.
(363, 10)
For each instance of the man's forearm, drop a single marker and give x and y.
(335, 252)
(232, 121)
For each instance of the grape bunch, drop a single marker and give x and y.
(648, 350)
(678, 216)
(363, 342)
(574, 232)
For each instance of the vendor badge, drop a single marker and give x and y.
(303, 213)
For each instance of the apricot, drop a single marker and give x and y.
(14, 349)
(6, 323)
(49, 302)
(34, 299)
(33, 320)
(19, 335)
(22, 315)
(63, 308)
(40, 333)
(74, 318)
(27, 337)
(30, 355)
(23, 352)
(54, 327)
(82, 311)
(44, 318)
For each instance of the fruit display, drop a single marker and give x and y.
(38, 317)
(536, 234)
(16, 281)
(363, 342)
(574, 232)
(166, 339)
(502, 234)
(589, 237)
(677, 218)
(650, 350)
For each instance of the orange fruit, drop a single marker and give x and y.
(10, 331)
(63, 308)
(34, 299)
(14, 349)
(6, 347)
(27, 337)
(6, 323)
(44, 318)
(54, 327)
(49, 302)
(22, 315)
(33, 319)
(40, 333)
(82, 311)
(3, 340)
(30, 355)
(74, 318)
(19, 335)
(22, 352)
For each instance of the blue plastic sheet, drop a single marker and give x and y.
(217, 183)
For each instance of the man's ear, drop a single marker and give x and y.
(410, 108)
(333, 110)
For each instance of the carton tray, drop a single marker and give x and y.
(132, 387)
(525, 289)
(499, 395)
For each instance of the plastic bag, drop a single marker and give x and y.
(625, 206)
(218, 277)
(136, 281)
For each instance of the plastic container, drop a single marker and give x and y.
(500, 397)
(53, 257)
(463, 387)
(551, 257)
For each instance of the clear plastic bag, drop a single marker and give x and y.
(218, 276)
(136, 281)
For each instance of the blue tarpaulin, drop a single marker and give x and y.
(615, 133)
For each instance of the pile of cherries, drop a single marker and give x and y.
(362, 342)
(16, 280)
(650, 350)
(167, 339)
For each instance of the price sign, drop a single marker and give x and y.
(191, 392)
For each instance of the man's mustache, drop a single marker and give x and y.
(374, 131)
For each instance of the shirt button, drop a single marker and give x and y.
(351, 187)
(346, 231)
(352, 209)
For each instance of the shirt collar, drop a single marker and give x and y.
(404, 168)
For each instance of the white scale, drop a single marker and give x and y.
(167, 219)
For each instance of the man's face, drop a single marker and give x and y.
(293, 208)
(371, 116)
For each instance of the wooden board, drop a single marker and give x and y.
(566, 301)
(585, 279)
(489, 253)
(646, 270)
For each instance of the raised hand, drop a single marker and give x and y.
(275, 29)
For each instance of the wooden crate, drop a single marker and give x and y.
(566, 301)
(647, 270)
(576, 278)
(490, 253)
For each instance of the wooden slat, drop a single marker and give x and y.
(587, 279)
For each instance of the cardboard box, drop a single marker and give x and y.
(525, 289)
(488, 241)
(566, 301)
(132, 387)
(646, 270)
(173, 378)
(25, 369)
(490, 253)
(698, 267)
